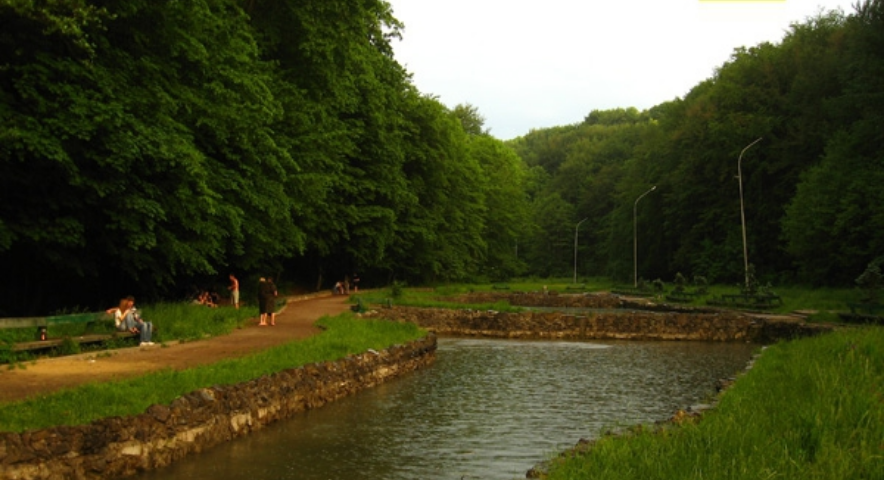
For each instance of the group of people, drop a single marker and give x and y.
(127, 318)
(206, 298)
(210, 298)
(343, 288)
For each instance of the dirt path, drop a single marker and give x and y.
(53, 374)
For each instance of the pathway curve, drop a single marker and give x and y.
(53, 374)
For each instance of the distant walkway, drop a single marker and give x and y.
(54, 374)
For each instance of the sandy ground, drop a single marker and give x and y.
(53, 374)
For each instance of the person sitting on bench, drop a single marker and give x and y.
(128, 319)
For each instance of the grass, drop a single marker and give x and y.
(428, 299)
(183, 321)
(344, 335)
(809, 409)
(173, 321)
(825, 301)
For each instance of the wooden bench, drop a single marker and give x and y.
(631, 292)
(81, 340)
(683, 296)
(88, 319)
(869, 309)
(359, 307)
(747, 300)
(43, 325)
(868, 313)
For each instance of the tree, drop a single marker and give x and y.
(505, 204)
(832, 224)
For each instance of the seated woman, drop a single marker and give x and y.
(128, 319)
(206, 299)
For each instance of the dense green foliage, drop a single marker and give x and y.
(148, 145)
(811, 186)
(811, 408)
(343, 335)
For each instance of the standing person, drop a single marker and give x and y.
(262, 301)
(347, 284)
(356, 282)
(234, 291)
(270, 300)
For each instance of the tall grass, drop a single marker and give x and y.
(185, 321)
(344, 335)
(428, 299)
(173, 321)
(809, 409)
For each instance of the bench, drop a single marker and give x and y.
(43, 324)
(869, 313)
(869, 309)
(683, 296)
(362, 306)
(81, 340)
(89, 319)
(359, 307)
(579, 287)
(747, 300)
(632, 292)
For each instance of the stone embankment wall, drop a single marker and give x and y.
(621, 324)
(121, 446)
(583, 300)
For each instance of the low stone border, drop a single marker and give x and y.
(122, 446)
(622, 324)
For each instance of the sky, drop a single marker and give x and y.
(544, 63)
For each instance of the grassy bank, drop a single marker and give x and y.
(826, 302)
(344, 335)
(809, 409)
(173, 321)
(427, 299)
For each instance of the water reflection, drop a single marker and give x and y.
(487, 409)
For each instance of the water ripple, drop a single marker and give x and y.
(488, 409)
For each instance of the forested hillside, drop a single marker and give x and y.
(148, 145)
(814, 202)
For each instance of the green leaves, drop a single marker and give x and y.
(810, 199)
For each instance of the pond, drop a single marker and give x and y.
(487, 409)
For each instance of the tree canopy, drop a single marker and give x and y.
(812, 201)
(151, 144)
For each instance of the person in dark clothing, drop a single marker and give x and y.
(262, 292)
(267, 301)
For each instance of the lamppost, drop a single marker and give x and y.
(743, 213)
(575, 247)
(635, 238)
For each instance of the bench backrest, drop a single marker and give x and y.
(25, 322)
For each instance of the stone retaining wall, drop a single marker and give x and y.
(121, 446)
(620, 325)
(598, 300)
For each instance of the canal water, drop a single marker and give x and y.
(487, 409)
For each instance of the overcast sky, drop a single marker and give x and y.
(543, 63)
